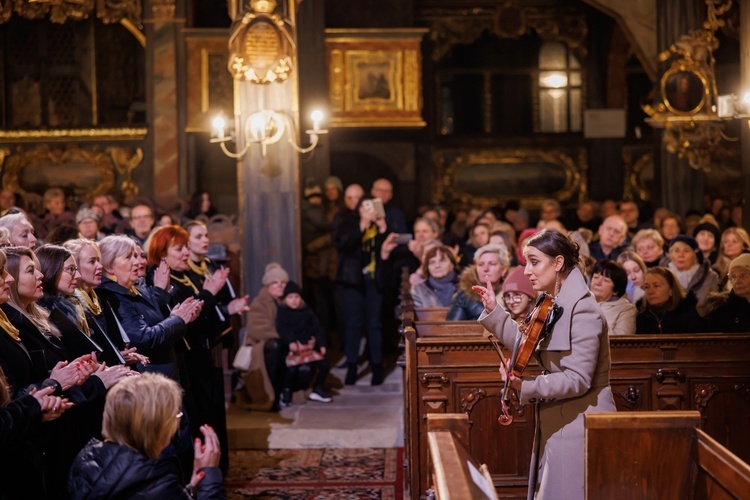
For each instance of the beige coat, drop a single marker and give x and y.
(575, 357)
(261, 326)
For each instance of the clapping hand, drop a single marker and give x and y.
(239, 305)
(133, 358)
(161, 275)
(488, 295)
(206, 454)
(216, 281)
(188, 310)
(52, 406)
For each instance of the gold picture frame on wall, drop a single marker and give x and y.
(210, 90)
(374, 77)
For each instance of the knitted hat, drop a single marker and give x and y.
(313, 190)
(742, 261)
(290, 288)
(689, 241)
(274, 272)
(707, 226)
(86, 213)
(518, 282)
(336, 182)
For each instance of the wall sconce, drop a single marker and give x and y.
(266, 127)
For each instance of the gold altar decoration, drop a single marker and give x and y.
(80, 172)
(374, 77)
(687, 105)
(61, 11)
(261, 44)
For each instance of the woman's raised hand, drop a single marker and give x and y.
(52, 406)
(161, 275)
(206, 454)
(239, 305)
(216, 281)
(488, 295)
(388, 246)
(188, 310)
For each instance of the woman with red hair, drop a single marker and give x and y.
(169, 245)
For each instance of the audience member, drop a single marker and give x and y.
(525, 235)
(671, 226)
(608, 284)
(394, 217)
(518, 295)
(708, 237)
(636, 269)
(491, 262)
(141, 223)
(141, 416)
(9, 199)
(550, 210)
(695, 274)
(441, 280)
(87, 221)
(612, 234)
(21, 231)
(649, 245)
(630, 213)
(666, 307)
(111, 221)
(734, 242)
(306, 341)
(200, 205)
(729, 312)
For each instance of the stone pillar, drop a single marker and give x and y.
(745, 80)
(681, 186)
(163, 21)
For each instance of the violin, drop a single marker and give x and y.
(535, 327)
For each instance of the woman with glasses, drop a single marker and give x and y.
(518, 295)
(141, 417)
(609, 280)
(729, 312)
(439, 270)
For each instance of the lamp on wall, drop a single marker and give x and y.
(266, 127)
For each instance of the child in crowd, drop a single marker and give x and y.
(298, 326)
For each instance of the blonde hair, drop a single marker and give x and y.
(4, 237)
(38, 315)
(75, 246)
(651, 234)
(142, 413)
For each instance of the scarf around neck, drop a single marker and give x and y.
(444, 287)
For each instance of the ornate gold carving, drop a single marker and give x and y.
(162, 10)
(451, 164)
(450, 27)
(67, 135)
(261, 45)
(61, 11)
(336, 80)
(125, 162)
(411, 81)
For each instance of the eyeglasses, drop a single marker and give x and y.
(738, 276)
(71, 270)
(141, 217)
(513, 298)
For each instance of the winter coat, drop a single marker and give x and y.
(682, 319)
(729, 313)
(620, 315)
(467, 304)
(299, 325)
(704, 281)
(424, 295)
(151, 332)
(261, 326)
(576, 363)
(111, 471)
(347, 238)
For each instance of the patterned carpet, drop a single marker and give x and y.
(371, 473)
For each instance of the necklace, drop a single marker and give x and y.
(658, 318)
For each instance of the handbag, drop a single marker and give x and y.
(300, 358)
(243, 358)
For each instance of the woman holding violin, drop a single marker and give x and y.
(572, 351)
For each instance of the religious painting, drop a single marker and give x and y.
(374, 77)
(683, 91)
(210, 90)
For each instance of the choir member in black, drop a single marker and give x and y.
(90, 269)
(169, 244)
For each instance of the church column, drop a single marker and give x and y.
(745, 80)
(681, 185)
(163, 21)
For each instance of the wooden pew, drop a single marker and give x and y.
(431, 313)
(644, 455)
(453, 368)
(453, 472)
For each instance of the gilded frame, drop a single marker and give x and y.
(451, 164)
(374, 77)
(691, 99)
(210, 89)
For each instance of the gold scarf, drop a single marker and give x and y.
(89, 301)
(201, 268)
(185, 281)
(368, 246)
(81, 316)
(134, 291)
(6, 325)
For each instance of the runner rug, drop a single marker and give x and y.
(370, 473)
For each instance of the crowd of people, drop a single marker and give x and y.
(108, 384)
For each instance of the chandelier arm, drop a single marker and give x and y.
(313, 144)
(236, 156)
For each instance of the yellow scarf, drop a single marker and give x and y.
(185, 281)
(89, 301)
(368, 246)
(6, 325)
(201, 268)
(134, 291)
(81, 316)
